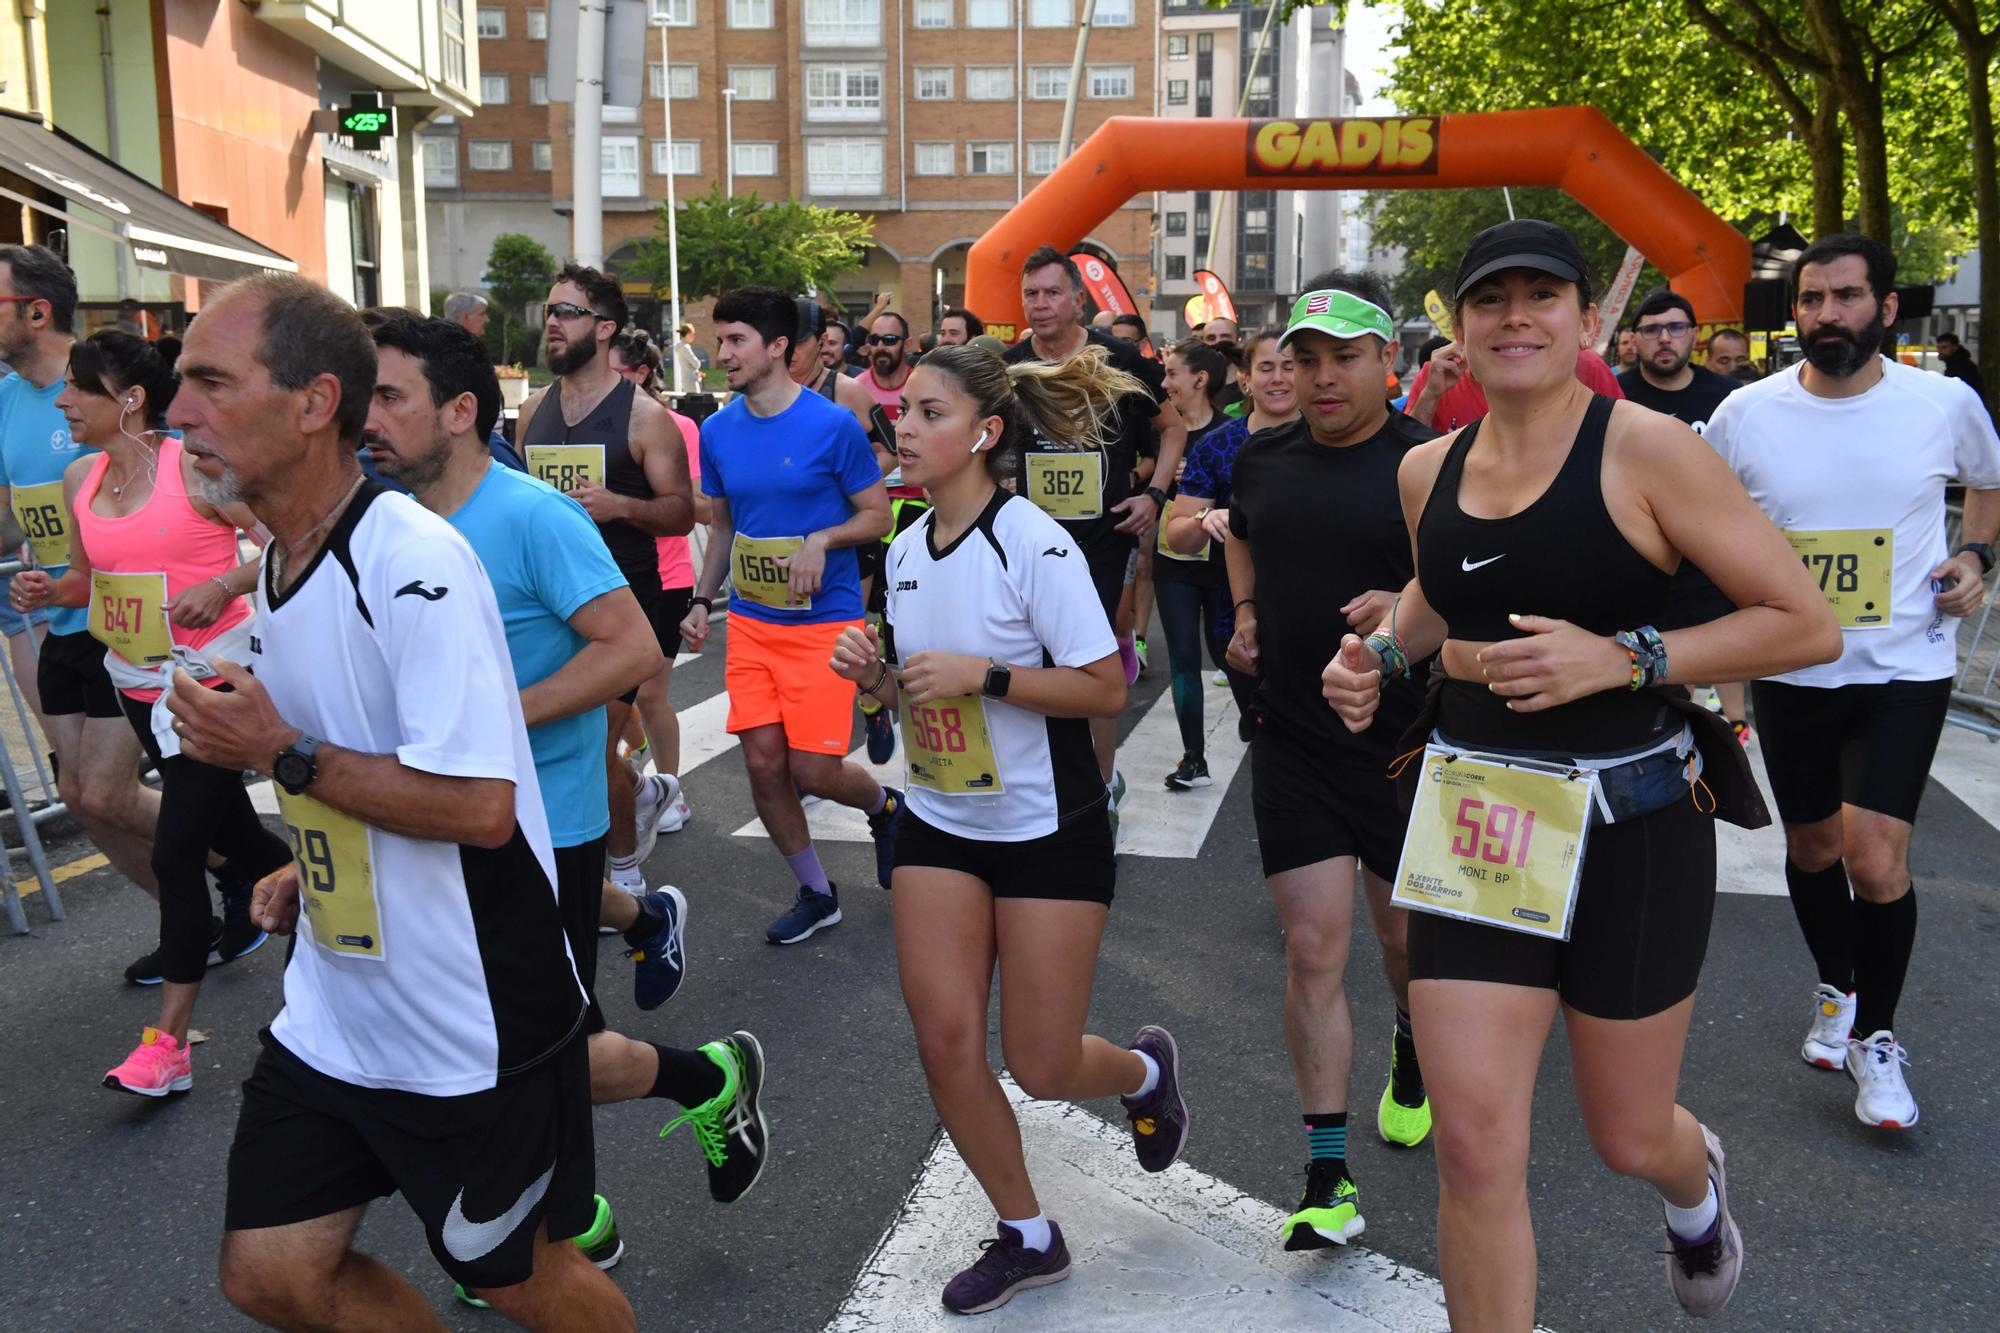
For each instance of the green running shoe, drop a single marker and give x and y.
(600, 1245)
(1329, 1214)
(1404, 1115)
(730, 1126)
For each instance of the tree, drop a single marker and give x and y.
(728, 242)
(518, 270)
(1975, 25)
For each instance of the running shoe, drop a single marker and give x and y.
(600, 1245)
(1118, 790)
(675, 814)
(881, 736)
(1190, 774)
(1139, 647)
(814, 911)
(730, 1126)
(632, 881)
(1881, 1098)
(235, 940)
(1329, 1211)
(1404, 1115)
(882, 828)
(1160, 1118)
(660, 964)
(1219, 679)
(655, 795)
(1128, 659)
(157, 1066)
(1703, 1274)
(1004, 1267)
(1832, 1026)
(1742, 730)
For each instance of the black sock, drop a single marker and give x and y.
(1825, 909)
(1406, 1082)
(651, 917)
(1885, 934)
(1326, 1138)
(687, 1077)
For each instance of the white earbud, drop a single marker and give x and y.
(984, 436)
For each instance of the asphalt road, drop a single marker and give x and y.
(110, 1206)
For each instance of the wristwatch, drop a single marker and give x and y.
(998, 677)
(1203, 512)
(1157, 496)
(294, 768)
(1983, 551)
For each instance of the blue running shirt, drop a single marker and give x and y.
(35, 448)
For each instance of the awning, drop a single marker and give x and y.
(162, 231)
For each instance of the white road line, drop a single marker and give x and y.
(829, 821)
(1176, 1250)
(1752, 860)
(1154, 820)
(1968, 765)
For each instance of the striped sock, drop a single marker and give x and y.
(1326, 1135)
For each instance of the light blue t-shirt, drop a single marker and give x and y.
(545, 560)
(35, 448)
(787, 476)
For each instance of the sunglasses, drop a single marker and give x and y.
(569, 310)
(890, 339)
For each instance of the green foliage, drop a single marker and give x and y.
(728, 242)
(518, 270)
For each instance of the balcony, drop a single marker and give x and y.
(422, 51)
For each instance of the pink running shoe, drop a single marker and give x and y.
(1128, 657)
(157, 1066)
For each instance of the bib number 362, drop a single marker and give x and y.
(1066, 485)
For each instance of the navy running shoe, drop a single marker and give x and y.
(882, 828)
(881, 736)
(661, 962)
(814, 911)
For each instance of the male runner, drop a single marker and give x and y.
(616, 452)
(576, 641)
(1108, 521)
(1729, 354)
(794, 490)
(1315, 520)
(888, 345)
(958, 326)
(1850, 452)
(431, 1039)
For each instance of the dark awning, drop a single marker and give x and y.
(162, 231)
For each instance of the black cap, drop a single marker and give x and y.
(1520, 243)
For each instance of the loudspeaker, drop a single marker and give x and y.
(1766, 305)
(1914, 302)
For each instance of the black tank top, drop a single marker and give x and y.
(826, 386)
(1561, 557)
(609, 423)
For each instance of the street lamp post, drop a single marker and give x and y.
(673, 220)
(729, 141)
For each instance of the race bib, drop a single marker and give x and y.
(1854, 567)
(1160, 546)
(1066, 485)
(950, 748)
(567, 466)
(1496, 842)
(336, 877)
(45, 518)
(757, 568)
(128, 615)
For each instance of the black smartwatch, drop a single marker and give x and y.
(294, 768)
(1983, 551)
(705, 603)
(1158, 496)
(998, 677)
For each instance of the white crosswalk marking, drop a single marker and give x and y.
(1154, 820)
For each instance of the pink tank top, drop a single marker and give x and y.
(166, 536)
(676, 565)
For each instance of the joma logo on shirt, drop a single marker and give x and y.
(906, 585)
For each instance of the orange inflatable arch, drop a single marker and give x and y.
(1576, 149)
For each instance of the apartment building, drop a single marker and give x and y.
(931, 117)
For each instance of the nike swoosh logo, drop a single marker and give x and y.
(417, 587)
(467, 1241)
(1469, 565)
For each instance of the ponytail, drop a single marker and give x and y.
(1070, 403)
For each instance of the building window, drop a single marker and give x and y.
(1048, 83)
(361, 209)
(675, 80)
(934, 13)
(935, 159)
(843, 92)
(1177, 92)
(1112, 14)
(490, 155)
(440, 162)
(757, 159)
(1177, 46)
(538, 90)
(1204, 89)
(989, 13)
(843, 166)
(1044, 156)
(1254, 272)
(492, 23)
(493, 90)
(538, 25)
(989, 83)
(1176, 268)
(990, 159)
(1108, 81)
(684, 157)
(539, 155)
(1176, 224)
(1048, 13)
(843, 22)
(934, 83)
(754, 83)
(1204, 43)
(618, 168)
(749, 14)
(673, 13)
(451, 28)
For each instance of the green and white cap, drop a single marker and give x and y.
(1340, 315)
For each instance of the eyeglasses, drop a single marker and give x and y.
(890, 339)
(1654, 332)
(569, 310)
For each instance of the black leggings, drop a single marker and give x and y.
(201, 807)
(1193, 615)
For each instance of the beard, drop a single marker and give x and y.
(419, 472)
(573, 357)
(887, 364)
(226, 489)
(1669, 369)
(1838, 353)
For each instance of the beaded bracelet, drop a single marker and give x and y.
(1387, 646)
(1648, 652)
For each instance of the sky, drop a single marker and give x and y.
(1369, 54)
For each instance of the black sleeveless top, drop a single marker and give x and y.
(609, 423)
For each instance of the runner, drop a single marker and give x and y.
(1312, 511)
(1096, 500)
(1445, 395)
(1571, 510)
(794, 490)
(431, 1039)
(958, 326)
(576, 641)
(617, 452)
(1729, 354)
(1850, 452)
(157, 568)
(997, 649)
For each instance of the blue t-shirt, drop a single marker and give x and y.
(787, 476)
(545, 560)
(35, 448)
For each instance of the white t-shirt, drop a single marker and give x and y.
(1013, 587)
(1878, 460)
(459, 974)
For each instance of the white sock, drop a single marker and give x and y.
(1034, 1231)
(1692, 1223)
(1152, 1076)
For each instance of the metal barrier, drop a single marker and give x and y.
(26, 840)
(1975, 692)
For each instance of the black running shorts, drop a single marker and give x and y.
(1073, 864)
(1865, 745)
(579, 896)
(1106, 558)
(1312, 804)
(482, 1171)
(664, 610)
(72, 678)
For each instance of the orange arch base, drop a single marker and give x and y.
(1576, 149)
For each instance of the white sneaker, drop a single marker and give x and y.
(632, 881)
(1220, 679)
(1881, 1097)
(656, 793)
(1832, 1022)
(674, 818)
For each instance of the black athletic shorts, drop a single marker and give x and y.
(1106, 559)
(482, 1171)
(1638, 933)
(1074, 864)
(1313, 805)
(664, 609)
(1865, 745)
(579, 896)
(72, 677)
